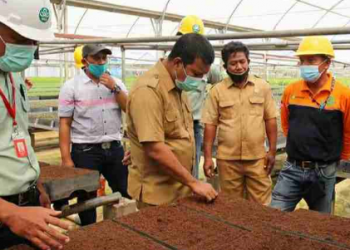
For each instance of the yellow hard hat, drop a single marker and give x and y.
(191, 24)
(78, 57)
(315, 45)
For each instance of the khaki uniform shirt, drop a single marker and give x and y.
(240, 115)
(16, 174)
(158, 112)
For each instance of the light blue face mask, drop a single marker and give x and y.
(17, 57)
(189, 84)
(97, 70)
(310, 73)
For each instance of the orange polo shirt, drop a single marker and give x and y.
(315, 130)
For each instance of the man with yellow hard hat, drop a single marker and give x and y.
(193, 24)
(78, 57)
(315, 113)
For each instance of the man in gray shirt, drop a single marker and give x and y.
(90, 107)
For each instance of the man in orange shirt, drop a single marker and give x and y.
(315, 120)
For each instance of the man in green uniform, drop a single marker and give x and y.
(22, 24)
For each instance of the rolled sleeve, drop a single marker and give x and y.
(121, 85)
(270, 105)
(146, 112)
(210, 114)
(66, 100)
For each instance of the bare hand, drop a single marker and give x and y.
(204, 190)
(28, 83)
(270, 161)
(68, 163)
(127, 159)
(108, 81)
(32, 223)
(209, 168)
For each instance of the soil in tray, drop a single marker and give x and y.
(186, 229)
(183, 228)
(58, 172)
(320, 225)
(255, 216)
(106, 235)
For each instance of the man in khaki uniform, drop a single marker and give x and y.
(243, 109)
(160, 126)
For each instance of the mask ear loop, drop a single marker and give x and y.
(3, 41)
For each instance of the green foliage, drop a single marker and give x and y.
(50, 86)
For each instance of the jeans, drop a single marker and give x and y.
(315, 186)
(198, 136)
(109, 163)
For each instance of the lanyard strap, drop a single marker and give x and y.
(323, 105)
(10, 110)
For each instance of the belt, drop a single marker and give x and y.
(308, 164)
(103, 145)
(22, 199)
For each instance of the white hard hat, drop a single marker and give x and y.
(29, 18)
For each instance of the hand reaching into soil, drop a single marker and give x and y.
(32, 223)
(204, 190)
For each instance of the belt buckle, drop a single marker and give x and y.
(22, 199)
(106, 145)
(305, 164)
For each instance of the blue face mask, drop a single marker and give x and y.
(97, 70)
(17, 57)
(189, 84)
(310, 73)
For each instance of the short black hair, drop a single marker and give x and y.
(191, 46)
(233, 47)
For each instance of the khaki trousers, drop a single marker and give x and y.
(245, 179)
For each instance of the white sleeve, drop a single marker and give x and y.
(121, 85)
(66, 100)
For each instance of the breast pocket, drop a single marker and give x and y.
(172, 124)
(256, 105)
(227, 109)
(22, 97)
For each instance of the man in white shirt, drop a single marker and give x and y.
(90, 111)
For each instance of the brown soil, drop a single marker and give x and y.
(106, 235)
(185, 228)
(58, 172)
(225, 224)
(259, 218)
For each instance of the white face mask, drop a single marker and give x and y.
(189, 84)
(311, 73)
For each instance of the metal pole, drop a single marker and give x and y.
(65, 30)
(123, 65)
(230, 36)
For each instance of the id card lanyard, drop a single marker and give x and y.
(324, 104)
(17, 137)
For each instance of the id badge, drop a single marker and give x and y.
(20, 145)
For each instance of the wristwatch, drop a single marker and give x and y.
(116, 89)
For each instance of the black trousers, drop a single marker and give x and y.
(109, 163)
(7, 237)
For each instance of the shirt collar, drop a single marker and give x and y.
(325, 87)
(164, 76)
(84, 77)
